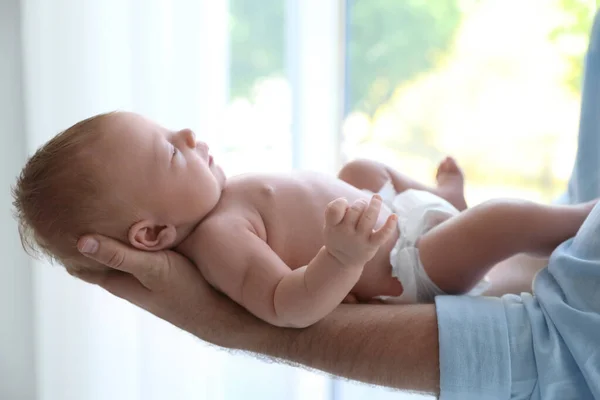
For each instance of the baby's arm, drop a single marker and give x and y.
(295, 298)
(252, 274)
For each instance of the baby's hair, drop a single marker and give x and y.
(56, 196)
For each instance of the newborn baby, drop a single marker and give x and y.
(290, 247)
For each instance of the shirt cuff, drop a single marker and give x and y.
(474, 348)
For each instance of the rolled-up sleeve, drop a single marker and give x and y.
(542, 346)
(474, 348)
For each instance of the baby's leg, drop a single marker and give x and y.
(514, 275)
(451, 183)
(372, 175)
(459, 252)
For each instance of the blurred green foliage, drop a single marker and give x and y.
(576, 25)
(390, 41)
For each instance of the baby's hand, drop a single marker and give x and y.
(349, 234)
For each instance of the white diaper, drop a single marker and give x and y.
(418, 212)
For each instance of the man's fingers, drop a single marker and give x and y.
(147, 267)
(380, 236)
(335, 211)
(127, 287)
(87, 275)
(119, 283)
(367, 221)
(106, 251)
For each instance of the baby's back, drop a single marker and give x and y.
(287, 212)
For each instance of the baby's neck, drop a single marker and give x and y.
(183, 232)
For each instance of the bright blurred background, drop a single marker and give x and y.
(272, 85)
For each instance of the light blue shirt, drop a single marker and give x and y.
(547, 345)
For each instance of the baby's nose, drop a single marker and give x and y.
(189, 136)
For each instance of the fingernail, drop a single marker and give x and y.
(89, 246)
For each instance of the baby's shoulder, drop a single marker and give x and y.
(218, 246)
(218, 233)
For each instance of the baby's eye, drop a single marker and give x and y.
(175, 151)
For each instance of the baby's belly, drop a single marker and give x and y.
(376, 279)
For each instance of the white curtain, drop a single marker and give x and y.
(168, 59)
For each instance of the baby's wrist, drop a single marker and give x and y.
(342, 262)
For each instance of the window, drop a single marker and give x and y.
(257, 122)
(493, 83)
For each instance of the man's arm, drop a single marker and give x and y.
(384, 345)
(393, 346)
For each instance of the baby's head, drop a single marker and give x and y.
(120, 175)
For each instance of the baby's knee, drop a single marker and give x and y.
(364, 174)
(356, 169)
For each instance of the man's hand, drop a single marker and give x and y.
(169, 286)
(349, 231)
(351, 342)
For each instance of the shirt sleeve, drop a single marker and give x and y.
(542, 346)
(474, 348)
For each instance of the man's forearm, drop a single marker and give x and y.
(394, 346)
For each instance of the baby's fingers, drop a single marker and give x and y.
(354, 213)
(367, 220)
(382, 234)
(334, 214)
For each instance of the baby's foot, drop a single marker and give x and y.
(451, 183)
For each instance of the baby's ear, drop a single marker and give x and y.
(145, 235)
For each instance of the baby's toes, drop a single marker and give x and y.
(451, 166)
